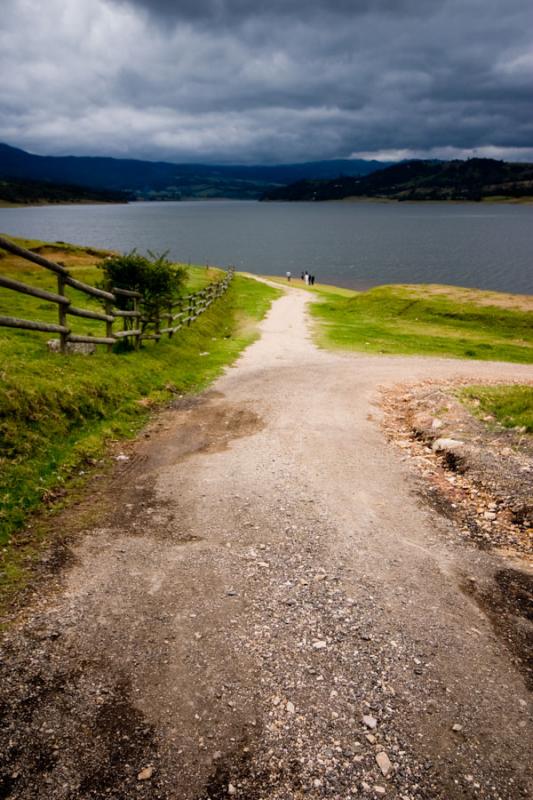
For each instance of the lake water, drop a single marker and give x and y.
(350, 244)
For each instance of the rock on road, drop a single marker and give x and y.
(263, 607)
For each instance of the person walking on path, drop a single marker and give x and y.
(288, 276)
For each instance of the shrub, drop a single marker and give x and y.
(158, 281)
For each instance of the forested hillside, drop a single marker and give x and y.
(473, 180)
(24, 192)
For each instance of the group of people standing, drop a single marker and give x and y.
(308, 279)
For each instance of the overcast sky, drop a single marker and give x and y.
(267, 81)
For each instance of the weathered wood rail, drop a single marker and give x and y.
(183, 311)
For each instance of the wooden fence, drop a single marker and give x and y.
(183, 311)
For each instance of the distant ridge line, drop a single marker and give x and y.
(165, 180)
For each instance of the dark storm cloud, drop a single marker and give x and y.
(237, 11)
(285, 80)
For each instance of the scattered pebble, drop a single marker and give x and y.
(145, 774)
(384, 763)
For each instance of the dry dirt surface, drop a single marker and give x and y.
(477, 471)
(263, 606)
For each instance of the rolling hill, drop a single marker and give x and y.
(473, 180)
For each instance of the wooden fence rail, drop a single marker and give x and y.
(183, 311)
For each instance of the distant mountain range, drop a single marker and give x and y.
(28, 178)
(474, 179)
(160, 180)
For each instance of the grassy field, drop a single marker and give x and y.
(511, 406)
(427, 320)
(57, 412)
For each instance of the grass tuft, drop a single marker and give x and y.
(510, 406)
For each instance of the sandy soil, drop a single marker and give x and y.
(519, 302)
(263, 606)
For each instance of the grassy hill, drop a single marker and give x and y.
(428, 320)
(472, 180)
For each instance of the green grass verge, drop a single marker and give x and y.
(427, 320)
(58, 412)
(511, 406)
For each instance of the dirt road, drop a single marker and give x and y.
(263, 607)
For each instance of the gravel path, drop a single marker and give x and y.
(263, 607)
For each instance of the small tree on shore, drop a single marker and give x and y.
(158, 281)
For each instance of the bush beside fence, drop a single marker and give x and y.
(184, 311)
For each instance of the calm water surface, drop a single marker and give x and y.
(349, 244)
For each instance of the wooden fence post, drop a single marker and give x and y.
(170, 323)
(138, 324)
(109, 323)
(62, 312)
(157, 323)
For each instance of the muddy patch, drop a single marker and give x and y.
(239, 772)
(508, 602)
(69, 728)
(123, 496)
(138, 510)
(208, 425)
(228, 774)
(194, 425)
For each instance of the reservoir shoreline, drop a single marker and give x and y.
(354, 245)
